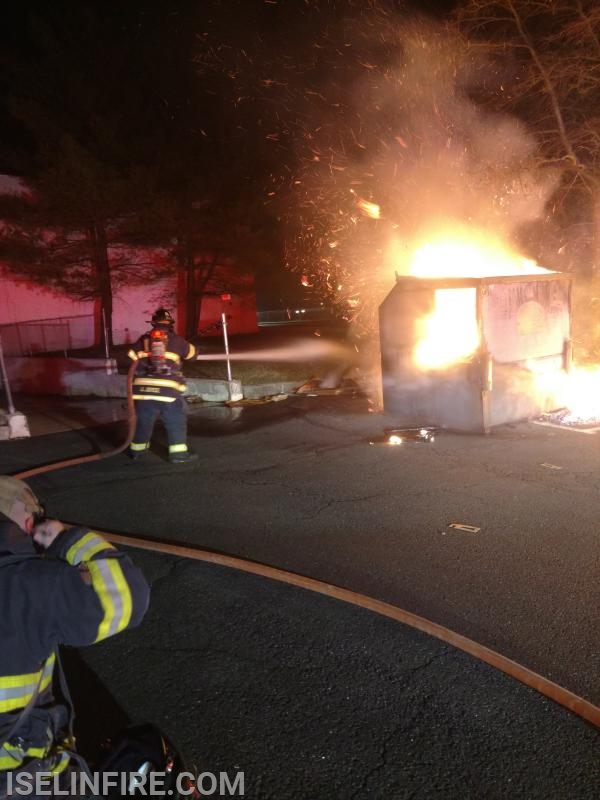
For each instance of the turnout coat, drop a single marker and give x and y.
(80, 591)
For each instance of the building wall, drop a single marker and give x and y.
(240, 311)
(23, 301)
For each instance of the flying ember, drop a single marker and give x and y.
(370, 209)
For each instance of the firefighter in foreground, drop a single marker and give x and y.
(158, 388)
(58, 585)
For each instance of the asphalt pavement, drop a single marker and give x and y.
(310, 697)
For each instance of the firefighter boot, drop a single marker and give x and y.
(136, 453)
(183, 458)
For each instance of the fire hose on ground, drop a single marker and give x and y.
(71, 462)
(572, 702)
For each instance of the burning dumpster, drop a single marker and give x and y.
(467, 353)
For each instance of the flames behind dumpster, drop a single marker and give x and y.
(474, 337)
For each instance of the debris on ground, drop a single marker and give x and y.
(461, 526)
(259, 401)
(396, 436)
(564, 416)
(314, 388)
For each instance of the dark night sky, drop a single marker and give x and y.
(150, 24)
(153, 27)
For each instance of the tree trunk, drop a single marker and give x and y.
(593, 268)
(191, 324)
(99, 255)
(207, 274)
(196, 281)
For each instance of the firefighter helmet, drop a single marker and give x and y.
(12, 491)
(162, 317)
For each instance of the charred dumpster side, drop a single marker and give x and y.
(523, 326)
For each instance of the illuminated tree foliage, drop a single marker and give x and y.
(541, 61)
(122, 151)
(362, 116)
(82, 120)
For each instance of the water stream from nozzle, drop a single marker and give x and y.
(297, 352)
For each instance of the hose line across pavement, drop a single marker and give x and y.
(131, 420)
(578, 705)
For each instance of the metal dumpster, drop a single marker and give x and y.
(522, 325)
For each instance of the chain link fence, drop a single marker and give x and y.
(60, 334)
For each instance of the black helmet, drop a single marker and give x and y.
(162, 317)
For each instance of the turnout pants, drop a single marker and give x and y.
(174, 418)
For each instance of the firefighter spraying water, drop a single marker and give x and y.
(158, 387)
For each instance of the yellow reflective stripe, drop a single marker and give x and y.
(191, 352)
(170, 383)
(86, 547)
(173, 356)
(132, 355)
(17, 690)
(137, 447)
(63, 762)
(114, 595)
(157, 397)
(142, 354)
(178, 448)
(8, 761)
(12, 757)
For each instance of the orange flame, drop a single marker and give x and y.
(475, 256)
(451, 333)
(577, 390)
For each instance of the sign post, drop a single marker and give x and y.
(15, 426)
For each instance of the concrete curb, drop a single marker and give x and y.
(214, 391)
(13, 426)
(208, 390)
(99, 378)
(256, 391)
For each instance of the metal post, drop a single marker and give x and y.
(9, 402)
(107, 362)
(21, 348)
(106, 352)
(224, 324)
